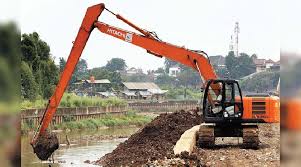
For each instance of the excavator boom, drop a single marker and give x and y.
(162, 49)
(79, 44)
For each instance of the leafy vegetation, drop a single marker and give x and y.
(181, 93)
(103, 73)
(39, 74)
(71, 100)
(260, 82)
(131, 118)
(240, 66)
(116, 64)
(80, 72)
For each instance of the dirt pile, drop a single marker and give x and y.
(155, 141)
(45, 145)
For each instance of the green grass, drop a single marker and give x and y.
(178, 92)
(131, 118)
(71, 100)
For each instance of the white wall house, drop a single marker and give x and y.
(174, 71)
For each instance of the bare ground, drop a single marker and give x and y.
(268, 153)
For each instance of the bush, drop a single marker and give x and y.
(261, 82)
(71, 100)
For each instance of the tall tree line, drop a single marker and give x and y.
(39, 74)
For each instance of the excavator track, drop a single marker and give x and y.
(208, 133)
(206, 138)
(250, 137)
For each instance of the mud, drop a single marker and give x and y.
(153, 142)
(45, 145)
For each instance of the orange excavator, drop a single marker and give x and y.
(225, 112)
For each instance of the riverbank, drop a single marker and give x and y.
(129, 119)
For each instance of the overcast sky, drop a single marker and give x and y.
(201, 24)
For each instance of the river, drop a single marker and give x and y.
(85, 145)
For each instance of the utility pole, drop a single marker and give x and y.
(236, 32)
(231, 47)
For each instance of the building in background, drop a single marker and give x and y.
(91, 87)
(174, 71)
(142, 91)
(264, 65)
(133, 71)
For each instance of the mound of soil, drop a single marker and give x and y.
(45, 145)
(155, 141)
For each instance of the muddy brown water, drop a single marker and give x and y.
(85, 145)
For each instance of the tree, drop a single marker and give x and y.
(231, 64)
(62, 64)
(254, 56)
(261, 82)
(81, 71)
(165, 79)
(116, 64)
(160, 70)
(103, 73)
(28, 84)
(36, 54)
(246, 65)
(140, 77)
(239, 66)
(189, 77)
(169, 63)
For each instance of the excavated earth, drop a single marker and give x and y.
(153, 142)
(45, 145)
(152, 146)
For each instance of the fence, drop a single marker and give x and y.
(169, 106)
(33, 116)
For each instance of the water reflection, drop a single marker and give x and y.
(85, 145)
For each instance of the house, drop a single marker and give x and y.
(92, 87)
(153, 75)
(133, 71)
(174, 71)
(264, 65)
(106, 94)
(142, 90)
(260, 65)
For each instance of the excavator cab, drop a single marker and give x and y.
(223, 115)
(222, 101)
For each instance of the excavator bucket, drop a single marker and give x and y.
(45, 144)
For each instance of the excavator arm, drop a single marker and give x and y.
(146, 40)
(195, 60)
